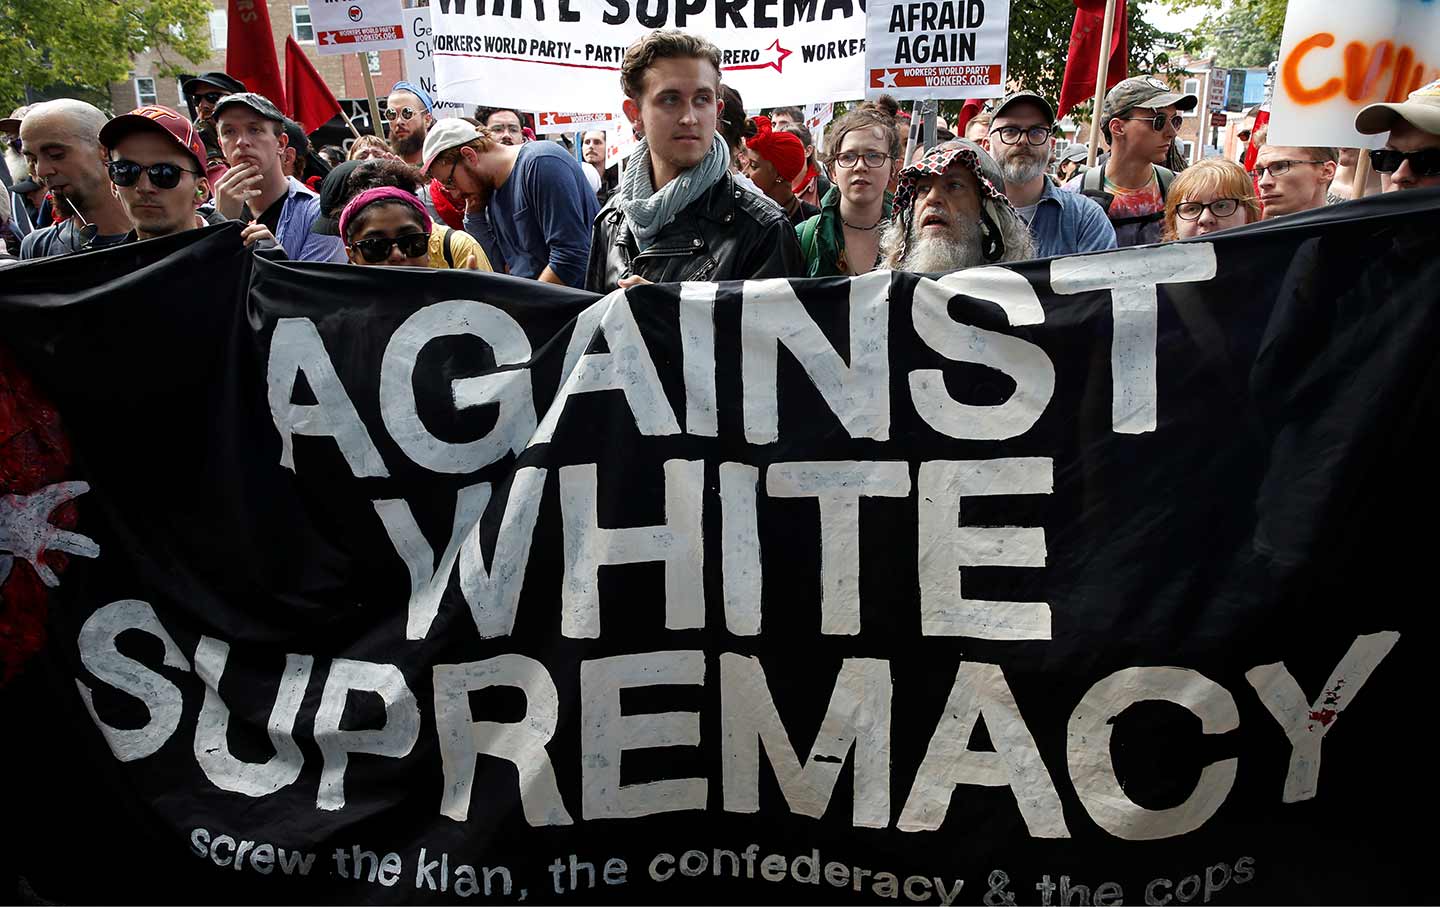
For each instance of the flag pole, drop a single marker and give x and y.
(1103, 68)
(370, 93)
(1361, 181)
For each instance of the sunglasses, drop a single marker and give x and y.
(377, 248)
(211, 97)
(404, 113)
(1158, 121)
(162, 176)
(1425, 162)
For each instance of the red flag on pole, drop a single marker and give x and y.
(1084, 57)
(311, 103)
(250, 56)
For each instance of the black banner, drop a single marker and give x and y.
(1095, 580)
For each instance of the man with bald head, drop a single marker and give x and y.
(61, 142)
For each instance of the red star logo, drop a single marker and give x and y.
(776, 64)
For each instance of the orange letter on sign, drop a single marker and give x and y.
(1362, 70)
(1291, 72)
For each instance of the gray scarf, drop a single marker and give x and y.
(649, 211)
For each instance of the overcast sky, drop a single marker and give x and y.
(1159, 15)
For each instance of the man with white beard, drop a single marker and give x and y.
(1021, 141)
(950, 214)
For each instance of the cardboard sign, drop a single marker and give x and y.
(565, 54)
(548, 122)
(923, 49)
(355, 26)
(1337, 58)
(420, 61)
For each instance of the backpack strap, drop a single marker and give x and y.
(447, 248)
(807, 236)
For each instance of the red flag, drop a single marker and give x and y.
(1084, 56)
(1252, 149)
(311, 103)
(967, 113)
(251, 53)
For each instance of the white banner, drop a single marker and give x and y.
(925, 49)
(565, 54)
(1336, 58)
(548, 122)
(420, 61)
(356, 26)
(817, 117)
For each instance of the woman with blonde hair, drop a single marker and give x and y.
(367, 147)
(1214, 194)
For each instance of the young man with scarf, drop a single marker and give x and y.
(679, 214)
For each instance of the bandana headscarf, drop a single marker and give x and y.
(782, 149)
(379, 193)
(417, 91)
(938, 159)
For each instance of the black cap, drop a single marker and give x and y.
(295, 133)
(227, 84)
(25, 185)
(256, 102)
(333, 196)
(1027, 97)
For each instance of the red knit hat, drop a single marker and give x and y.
(782, 149)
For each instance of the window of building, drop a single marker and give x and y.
(372, 58)
(300, 24)
(144, 92)
(219, 29)
(1192, 86)
(1187, 149)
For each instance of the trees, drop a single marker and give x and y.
(1244, 33)
(85, 44)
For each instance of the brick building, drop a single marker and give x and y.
(287, 17)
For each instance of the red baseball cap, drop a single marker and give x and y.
(158, 118)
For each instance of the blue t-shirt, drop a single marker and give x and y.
(543, 213)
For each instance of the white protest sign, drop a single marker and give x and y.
(936, 49)
(817, 116)
(620, 141)
(551, 121)
(420, 64)
(354, 26)
(565, 54)
(1336, 58)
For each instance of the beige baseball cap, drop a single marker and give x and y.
(1421, 110)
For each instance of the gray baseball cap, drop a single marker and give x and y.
(1026, 97)
(1144, 91)
(256, 102)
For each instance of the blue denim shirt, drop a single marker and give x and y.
(1067, 222)
(293, 231)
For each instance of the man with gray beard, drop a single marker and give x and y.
(950, 214)
(1021, 140)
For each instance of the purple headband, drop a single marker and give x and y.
(380, 193)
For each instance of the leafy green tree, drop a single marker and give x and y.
(1246, 33)
(82, 45)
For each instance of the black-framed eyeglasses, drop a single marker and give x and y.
(1279, 168)
(404, 113)
(162, 176)
(1221, 207)
(872, 159)
(449, 181)
(1035, 135)
(376, 249)
(211, 97)
(1425, 162)
(1159, 121)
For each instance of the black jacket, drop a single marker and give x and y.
(729, 233)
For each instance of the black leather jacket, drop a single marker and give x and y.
(729, 233)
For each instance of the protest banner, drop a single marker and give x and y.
(1336, 58)
(927, 49)
(1049, 582)
(549, 121)
(358, 26)
(817, 117)
(565, 54)
(420, 61)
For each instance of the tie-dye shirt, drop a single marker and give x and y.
(1131, 203)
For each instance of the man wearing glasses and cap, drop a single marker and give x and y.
(1021, 142)
(202, 93)
(1140, 119)
(256, 189)
(1411, 156)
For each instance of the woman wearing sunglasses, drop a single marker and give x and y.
(386, 226)
(1214, 194)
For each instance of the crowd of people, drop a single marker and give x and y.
(708, 193)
